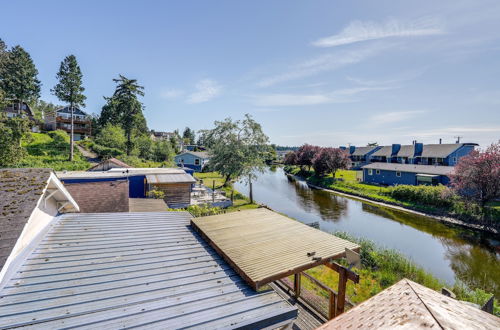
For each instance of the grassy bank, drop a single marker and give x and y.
(214, 179)
(382, 268)
(428, 199)
(51, 151)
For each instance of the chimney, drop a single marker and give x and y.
(440, 140)
(351, 149)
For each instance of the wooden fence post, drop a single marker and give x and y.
(331, 306)
(296, 285)
(341, 291)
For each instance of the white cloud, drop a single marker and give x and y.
(324, 63)
(285, 100)
(393, 117)
(206, 90)
(358, 31)
(170, 94)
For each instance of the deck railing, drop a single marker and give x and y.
(317, 295)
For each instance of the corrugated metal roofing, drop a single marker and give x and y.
(361, 151)
(120, 270)
(384, 151)
(424, 169)
(170, 178)
(408, 305)
(264, 246)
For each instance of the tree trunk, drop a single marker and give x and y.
(71, 134)
(128, 143)
(251, 189)
(227, 179)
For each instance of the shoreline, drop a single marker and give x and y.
(442, 219)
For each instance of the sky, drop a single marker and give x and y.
(321, 72)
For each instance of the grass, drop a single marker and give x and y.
(51, 151)
(214, 179)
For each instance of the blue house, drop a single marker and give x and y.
(195, 160)
(409, 174)
(361, 155)
(444, 154)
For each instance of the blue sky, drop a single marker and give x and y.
(322, 72)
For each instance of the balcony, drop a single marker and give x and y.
(61, 119)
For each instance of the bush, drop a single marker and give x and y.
(156, 194)
(106, 152)
(203, 210)
(439, 196)
(111, 136)
(60, 138)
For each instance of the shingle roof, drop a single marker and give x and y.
(127, 270)
(361, 151)
(384, 151)
(440, 150)
(408, 305)
(423, 169)
(201, 154)
(406, 151)
(20, 191)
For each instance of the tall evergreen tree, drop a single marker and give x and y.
(125, 109)
(69, 89)
(18, 75)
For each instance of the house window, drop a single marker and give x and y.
(197, 161)
(370, 172)
(398, 174)
(378, 171)
(454, 159)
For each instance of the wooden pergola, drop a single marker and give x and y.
(263, 246)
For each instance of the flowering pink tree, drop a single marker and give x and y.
(329, 160)
(290, 158)
(477, 175)
(306, 154)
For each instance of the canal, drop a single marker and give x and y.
(449, 253)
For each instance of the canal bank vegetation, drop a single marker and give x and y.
(381, 268)
(435, 200)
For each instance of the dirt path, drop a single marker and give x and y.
(92, 157)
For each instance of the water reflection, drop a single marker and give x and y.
(449, 253)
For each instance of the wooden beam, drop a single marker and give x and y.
(331, 306)
(342, 291)
(296, 284)
(339, 268)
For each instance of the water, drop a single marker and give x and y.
(449, 253)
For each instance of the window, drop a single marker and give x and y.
(454, 159)
(197, 161)
(370, 172)
(378, 171)
(398, 174)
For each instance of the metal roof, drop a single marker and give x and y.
(361, 151)
(440, 150)
(264, 246)
(170, 178)
(111, 160)
(123, 270)
(424, 169)
(76, 111)
(408, 305)
(384, 151)
(201, 154)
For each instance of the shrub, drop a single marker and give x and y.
(203, 210)
(60, 137)
(156, 194)
(106, 152)
(439, 196)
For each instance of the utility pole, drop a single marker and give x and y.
(250, 185)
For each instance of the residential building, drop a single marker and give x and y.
(156, 135)
(409, 174)
(61, 119)
(108, 164)
(361, 155)
(18, 109)
(444, 154)
(110, 191)
(195, 160)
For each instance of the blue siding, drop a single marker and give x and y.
(137, 186)
(390, 178)
(455, 156)
(189, 160)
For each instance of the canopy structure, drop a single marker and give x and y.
(264, 246)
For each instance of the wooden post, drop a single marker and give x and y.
(331, 306)
(250, 186)
(341, 291)
(296, 285)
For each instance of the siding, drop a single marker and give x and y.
(389, 177)
(98, 197)
(176, 194)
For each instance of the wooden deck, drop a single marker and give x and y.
(264, 246)
(125, 270)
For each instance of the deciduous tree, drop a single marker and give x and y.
(306, 154)
(477, 175)
(330, 160)
(290, 158)
(69, 89)
(12, 131)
